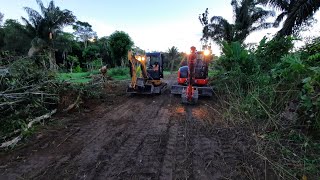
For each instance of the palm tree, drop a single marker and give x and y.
(248, 18)
(173, 54)
(295, 13)
(43, 27)
(218, 30)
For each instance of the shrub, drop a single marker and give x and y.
(269, 53)
(78, 69)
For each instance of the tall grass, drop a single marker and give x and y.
(277, 93)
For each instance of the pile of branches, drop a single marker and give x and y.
(28, 94)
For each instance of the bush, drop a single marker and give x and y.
(269, 53)
(236, 58)
(280, 90)
(263, 82)
(77, 69)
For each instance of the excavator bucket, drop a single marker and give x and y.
(147, 89)
(141, 88)
(193, 100)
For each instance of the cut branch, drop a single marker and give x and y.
(43, 117)
(15, 140)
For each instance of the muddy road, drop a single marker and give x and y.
(137, 137)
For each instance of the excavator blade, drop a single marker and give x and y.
(193, 100)
(205, 91)
(177, 89)
(202, 91)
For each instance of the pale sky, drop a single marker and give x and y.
(152, 25)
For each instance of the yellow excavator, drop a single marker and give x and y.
(151, 68)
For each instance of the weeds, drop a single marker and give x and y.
(277, 92)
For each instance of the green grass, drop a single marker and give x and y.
(167, 72)
(121, 77)
(82, 77)
(117, 73)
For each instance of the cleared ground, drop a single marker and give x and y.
(137, 137)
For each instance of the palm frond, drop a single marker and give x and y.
(33, 14)
(235, 6)
(299, 12)
(305, 9)
(42, 8)
(51, 6)
(261, 26)
(282, 5)
(279, 19)
(218, 20)
(260, 15)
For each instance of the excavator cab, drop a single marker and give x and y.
(155, 65)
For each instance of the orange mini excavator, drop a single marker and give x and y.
(193, 78)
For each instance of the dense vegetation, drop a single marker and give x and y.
(272, 87)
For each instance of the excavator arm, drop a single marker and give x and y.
(133, 61)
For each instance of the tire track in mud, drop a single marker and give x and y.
(89, 136)
(193, 153)
(138, 156)
(115, 138)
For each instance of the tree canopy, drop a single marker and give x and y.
(294, 14)
(84, 32)
(120, 43)
(248, 18)
(42, 27)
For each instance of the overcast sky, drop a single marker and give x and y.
(153, 25)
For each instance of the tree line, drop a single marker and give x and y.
(41, 34)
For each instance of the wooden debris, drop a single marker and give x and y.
(43, 117)
(15, 140)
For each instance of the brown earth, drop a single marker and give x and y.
(137, 137)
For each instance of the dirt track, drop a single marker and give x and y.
(139, 137)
